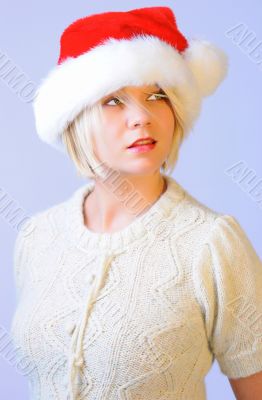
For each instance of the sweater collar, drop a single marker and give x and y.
(150, 222)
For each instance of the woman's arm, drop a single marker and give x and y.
(248, 388)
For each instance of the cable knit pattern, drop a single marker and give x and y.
(141, 313)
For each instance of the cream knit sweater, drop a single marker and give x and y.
(137, 314)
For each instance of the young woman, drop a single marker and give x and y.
(131, 288)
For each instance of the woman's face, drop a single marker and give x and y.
(125, 121)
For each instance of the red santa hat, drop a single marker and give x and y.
(101, 53)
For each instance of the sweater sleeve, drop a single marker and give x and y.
(230, 289)
(20, 255)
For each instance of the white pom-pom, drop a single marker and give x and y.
(208, 63)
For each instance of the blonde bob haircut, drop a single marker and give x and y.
(78, 136)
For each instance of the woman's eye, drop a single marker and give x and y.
(159, 96)
(117, 101)
(112, 99)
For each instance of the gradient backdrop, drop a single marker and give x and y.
(220, 163)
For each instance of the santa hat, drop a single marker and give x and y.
(101, 53)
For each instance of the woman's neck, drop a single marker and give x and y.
(114, 203)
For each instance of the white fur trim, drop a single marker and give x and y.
(82, 81)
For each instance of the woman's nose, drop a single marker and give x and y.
(137, 116)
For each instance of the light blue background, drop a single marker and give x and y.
(37, 176)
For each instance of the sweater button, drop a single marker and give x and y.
(70, 327)
(79, 362)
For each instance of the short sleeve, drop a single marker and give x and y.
(231, 292)
(21, 254)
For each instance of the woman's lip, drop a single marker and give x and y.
(136, 145)
(142, 148)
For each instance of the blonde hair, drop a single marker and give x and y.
(78, 136)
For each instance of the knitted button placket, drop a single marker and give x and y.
(77, 332)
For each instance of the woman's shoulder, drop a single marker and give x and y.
(195, 211)
(46, 224)
(202, 222)
(213, 227)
